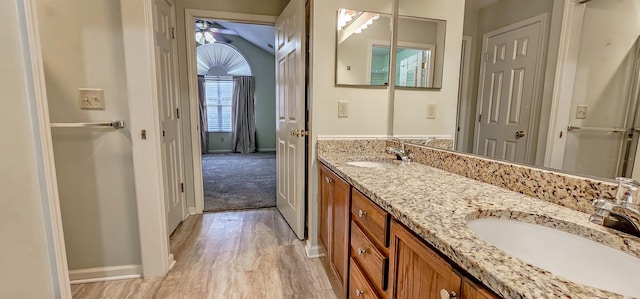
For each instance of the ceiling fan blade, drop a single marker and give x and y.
(223, 31)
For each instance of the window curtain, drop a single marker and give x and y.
(243, 137)
(204, 134)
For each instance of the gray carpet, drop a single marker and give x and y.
(239, 181)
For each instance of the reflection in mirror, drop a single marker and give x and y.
(521, 101)
(420, 52)
(361, 32)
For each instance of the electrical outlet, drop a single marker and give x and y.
(581, 111)
(343, 109)
(431, 111)
(91, 98)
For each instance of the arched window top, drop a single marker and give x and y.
(223, 56)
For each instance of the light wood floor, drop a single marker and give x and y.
(246, 254)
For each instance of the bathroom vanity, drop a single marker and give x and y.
(400, 230)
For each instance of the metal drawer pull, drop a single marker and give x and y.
(359, 293)
(362, 213)
(361, 251)
(444, 294)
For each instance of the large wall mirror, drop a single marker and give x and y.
(528, 96)
(363, 42)
(363, 50)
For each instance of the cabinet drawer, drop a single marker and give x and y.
(372, 218)
(359, 286)
(371, 259)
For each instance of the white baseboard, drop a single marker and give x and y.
(352, 137)
(313, 251)
(172, 261)
(219, 151)
(191, 210)
(105, 274)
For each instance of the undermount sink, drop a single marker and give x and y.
(566, 255)
(372, 164)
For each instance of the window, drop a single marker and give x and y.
(219, 91)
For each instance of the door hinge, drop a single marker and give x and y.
(480, 118)
(486, 56)
(143, 134)
(173, 32)
(182, 187)
(177, 112)
(162, 133)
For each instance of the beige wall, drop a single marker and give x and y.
(26, 268)
(263, 7)
(410, 108)
(82, 48)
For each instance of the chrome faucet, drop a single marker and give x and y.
(401, 153)
(624, 214)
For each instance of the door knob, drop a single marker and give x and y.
(520, 134)
(299, 133)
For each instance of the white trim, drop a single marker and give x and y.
(191, 210)
(351, 137)
(105, 273)
(47, 172)
(172, 261)
(225, 151)
(423, 136)
(312, 251)
(570, 36)
(140, 67)
(190, 15)
(262, 150)
(536, 102)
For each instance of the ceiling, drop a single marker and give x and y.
(260, 35)
(478, 4)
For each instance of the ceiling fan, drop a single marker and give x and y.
(206, 33)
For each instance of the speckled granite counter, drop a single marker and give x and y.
(437, 204)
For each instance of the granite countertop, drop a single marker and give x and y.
(437, 204)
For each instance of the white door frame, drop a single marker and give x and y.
(568, 51)
(537, 85)
(190, 16)
(49, 190)
(466, 69)
(137, 22)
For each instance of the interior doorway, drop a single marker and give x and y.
(236, 94)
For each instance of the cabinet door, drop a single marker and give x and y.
(324, 205)
(417, 271)
(340, 228)
(471, 290)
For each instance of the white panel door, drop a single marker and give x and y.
(290, 114)
(166, 63)
(507, 93)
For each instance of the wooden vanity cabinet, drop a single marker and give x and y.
(334, 209)
(419, 272)
(372, 255)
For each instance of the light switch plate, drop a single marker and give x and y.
(91, 98)
(581, 111)
(343, 109)
(431, 111)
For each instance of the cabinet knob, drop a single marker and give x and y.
(359, 293)
(362, 213)
(444, 294)
(328, 179)
(361, 251)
